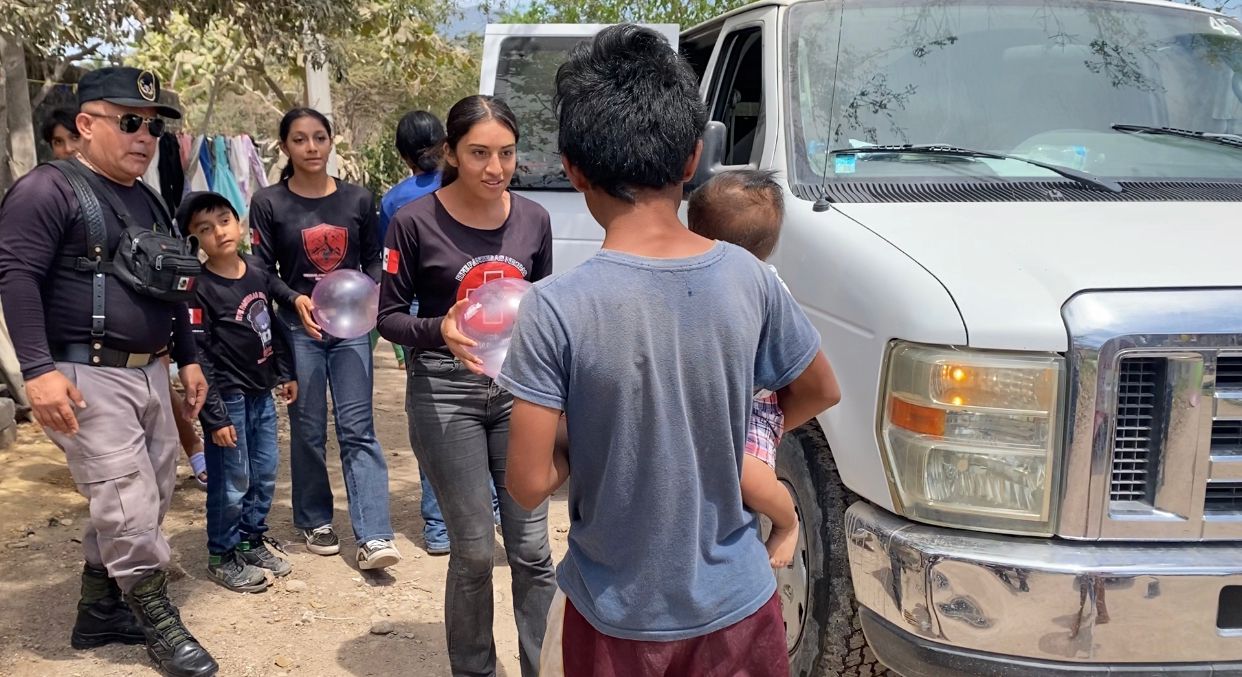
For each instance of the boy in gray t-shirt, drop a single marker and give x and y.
(653, 348)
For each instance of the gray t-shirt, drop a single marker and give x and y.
(655, 362)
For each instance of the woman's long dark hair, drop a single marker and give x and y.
(286, 125)
(420, 140)
(469, 112)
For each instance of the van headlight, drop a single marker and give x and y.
(971, 437)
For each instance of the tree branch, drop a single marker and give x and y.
(277, 90)
(57, 73)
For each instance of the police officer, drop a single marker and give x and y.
(89, 346)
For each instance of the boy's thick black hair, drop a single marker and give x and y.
(420, 140)
(200, 201)
(744, 207)
(629, 109)
(61, 117)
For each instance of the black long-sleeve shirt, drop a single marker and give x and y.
(430, 255)
(46, 304)
(302, 239)
(242, 347)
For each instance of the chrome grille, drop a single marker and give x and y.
(1154, 447)
(1133, 449)
(1227, 438)
(1223, 497)
(1229, 372)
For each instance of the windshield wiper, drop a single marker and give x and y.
(1222, 139)
(1081, 177)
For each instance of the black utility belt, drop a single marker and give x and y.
(96, 355)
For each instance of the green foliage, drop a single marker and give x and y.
(684, 13)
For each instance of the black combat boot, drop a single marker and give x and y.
(103, 617)
(169, 644)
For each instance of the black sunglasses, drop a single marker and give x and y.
(132, 122)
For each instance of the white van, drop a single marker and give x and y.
(1015, 224)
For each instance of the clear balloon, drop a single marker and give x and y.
(346, 303)
(489, 317)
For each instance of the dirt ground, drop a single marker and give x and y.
(326, 618)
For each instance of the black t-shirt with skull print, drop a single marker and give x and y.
(243, 348)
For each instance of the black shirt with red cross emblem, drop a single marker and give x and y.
(303, 239)
(433, 257)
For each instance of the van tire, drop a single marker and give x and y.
(831, 643)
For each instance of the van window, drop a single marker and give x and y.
(526, 80)
(1042, 79)
(737, 95)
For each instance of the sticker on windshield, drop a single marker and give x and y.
(1220, 25)
(845, 164)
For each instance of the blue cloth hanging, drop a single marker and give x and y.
(223, 180)
(205, 163)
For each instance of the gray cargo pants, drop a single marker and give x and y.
(124, 461)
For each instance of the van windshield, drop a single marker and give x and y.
(526, 80)
(1042, 80)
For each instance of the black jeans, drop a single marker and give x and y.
(459, 429)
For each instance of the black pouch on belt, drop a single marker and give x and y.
(153, 261)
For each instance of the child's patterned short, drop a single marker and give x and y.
(767, 424)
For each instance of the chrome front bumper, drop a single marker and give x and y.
(1043, 602)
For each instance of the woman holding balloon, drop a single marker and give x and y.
(440, 248)
(308, 225)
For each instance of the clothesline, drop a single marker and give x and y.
(231, 166)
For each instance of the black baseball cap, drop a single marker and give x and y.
(124, 86)
(200, 201)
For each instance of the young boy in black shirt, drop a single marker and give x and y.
(244, 354)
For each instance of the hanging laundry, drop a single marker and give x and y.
(205, 165)
(152, 176)
(223, 180)
(172, 173)
(186, 142)
(257, 174)
(237, 163)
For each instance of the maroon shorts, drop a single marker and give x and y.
(752, 647)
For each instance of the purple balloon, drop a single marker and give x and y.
(489, 317)
(346, 303)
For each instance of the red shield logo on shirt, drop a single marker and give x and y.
(325, 246)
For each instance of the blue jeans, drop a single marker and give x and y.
(459, 429)
(242, 478)
(345, 366)
(434, 531)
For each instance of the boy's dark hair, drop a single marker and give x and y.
(61, 117)
(467, 113)
(420, 140)
(629, 109)
(744, 207)
(200, 201)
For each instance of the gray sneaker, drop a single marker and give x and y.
(322, 540)
(377, 554)
(256, 554)
(233, 573)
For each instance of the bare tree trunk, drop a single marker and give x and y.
(21, 137)
(58, 72)
(6, 171)
(195, 167)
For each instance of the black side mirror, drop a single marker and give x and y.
(712, 160)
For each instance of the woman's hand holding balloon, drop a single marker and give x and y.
(458, 343)
(305, 307)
